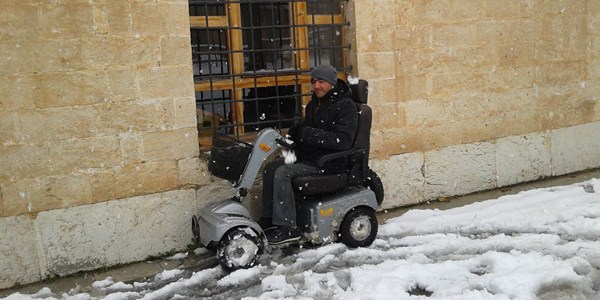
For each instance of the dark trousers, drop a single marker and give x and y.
(278, 194)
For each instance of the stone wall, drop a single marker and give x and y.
(96, 104)
(472, 95)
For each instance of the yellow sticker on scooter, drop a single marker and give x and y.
(265, 147)
(326, 212)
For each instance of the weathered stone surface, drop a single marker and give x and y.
(122, 51)
(15, 93)
(173, 144)
(16, 19)
(17, 57)
(69, 89)
(98, 152)
(130, 180)
(523, 158)
(575, 148)
(58, 55)
(19, 262)
(402, 178)
(166, 81)
(68, 20)
(193, 171)
(46, 193)
(185, 112)
(37, 126)
(114, 232)
(9, 129)
(21, 161)
(459, 170)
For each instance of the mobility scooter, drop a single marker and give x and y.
(330, 207)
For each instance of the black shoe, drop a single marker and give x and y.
(282, 235)
(266, 224)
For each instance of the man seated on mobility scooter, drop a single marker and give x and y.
(329, 126)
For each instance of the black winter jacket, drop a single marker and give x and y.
(329, 126)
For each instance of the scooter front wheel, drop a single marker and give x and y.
(359, 227)
(240, 248)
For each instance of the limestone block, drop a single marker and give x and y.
(17, 57)
(132, 151)
(116, 232)
(562, 39)
(185, 112)
(118, 16)
(16, 20)
(19, 262)
(403, 181)
(20, 161)
(139, 52)
(15, 93)
(193, 171)
(523, 158)
(427, 112)
(403, 140)
(70, 20)
(160, 18)
(411, 87)
(459, 170)
(46, 193)
(446, 11)
(561, 8)
(9, 129)
(379, 65)
(575, 148)
(37, 126)
(448, 35)
(69, 89)
(58, 55)
(175, 50)
(383, 91)
(376, 39)
(511, 9)
(369, 15)
(136, 115)
(389, 116)
(71, 154)
(171, 144)
(121, 84)
(172, 81)
(130, 180)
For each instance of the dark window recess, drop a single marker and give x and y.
(209, 53)
(274, 106)
(206, 8)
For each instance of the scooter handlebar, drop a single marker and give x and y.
(287, 143)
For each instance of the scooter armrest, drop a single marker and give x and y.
(328, 157)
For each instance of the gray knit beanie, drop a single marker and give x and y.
(324, 72)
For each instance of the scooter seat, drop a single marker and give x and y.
(320, 184)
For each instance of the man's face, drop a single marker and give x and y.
(321, 87)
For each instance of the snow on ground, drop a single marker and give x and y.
(542, 243)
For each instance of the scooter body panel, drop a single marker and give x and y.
(321, 218)
(217, 218)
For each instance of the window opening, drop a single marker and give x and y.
(252, 60)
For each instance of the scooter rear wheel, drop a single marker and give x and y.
(359, 227)
(240, 248)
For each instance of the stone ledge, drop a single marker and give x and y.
(65, 241)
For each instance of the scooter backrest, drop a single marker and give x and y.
(360, 91)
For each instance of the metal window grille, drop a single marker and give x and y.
(252, 60)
